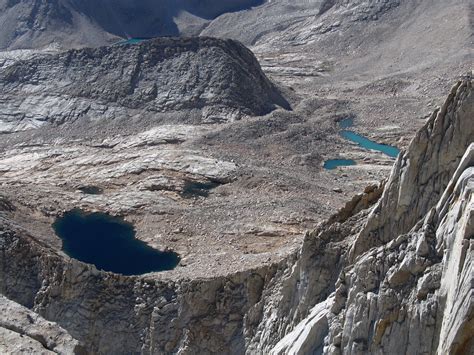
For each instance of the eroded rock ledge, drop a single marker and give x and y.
(393, 278)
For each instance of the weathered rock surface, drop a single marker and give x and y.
(409, 292)
(205, 79)
(23, 331)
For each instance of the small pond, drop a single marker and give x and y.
(110, 244)
(334, 163)
(133, 40)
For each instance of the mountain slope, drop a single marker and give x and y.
(211, 79)
(77, 23)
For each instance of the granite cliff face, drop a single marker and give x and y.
(373, 280)
(186, 80)
(25, 332)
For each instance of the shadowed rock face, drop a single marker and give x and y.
(219, 77)
(36, 23)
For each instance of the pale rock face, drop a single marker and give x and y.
(413, 295)
(25, 332)
(454, 237)
(311, 330)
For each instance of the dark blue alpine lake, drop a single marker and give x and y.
(110, 244)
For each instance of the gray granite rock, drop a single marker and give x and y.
(25, 332)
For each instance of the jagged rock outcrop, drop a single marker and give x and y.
(413, 294)
(408, 290)
(422, 173)
(204, 79)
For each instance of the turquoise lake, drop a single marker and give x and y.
(369, 144)
(361, 141)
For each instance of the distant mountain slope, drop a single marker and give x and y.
(305, 18)
(379, 31)
(76, 23)
(214, 79)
